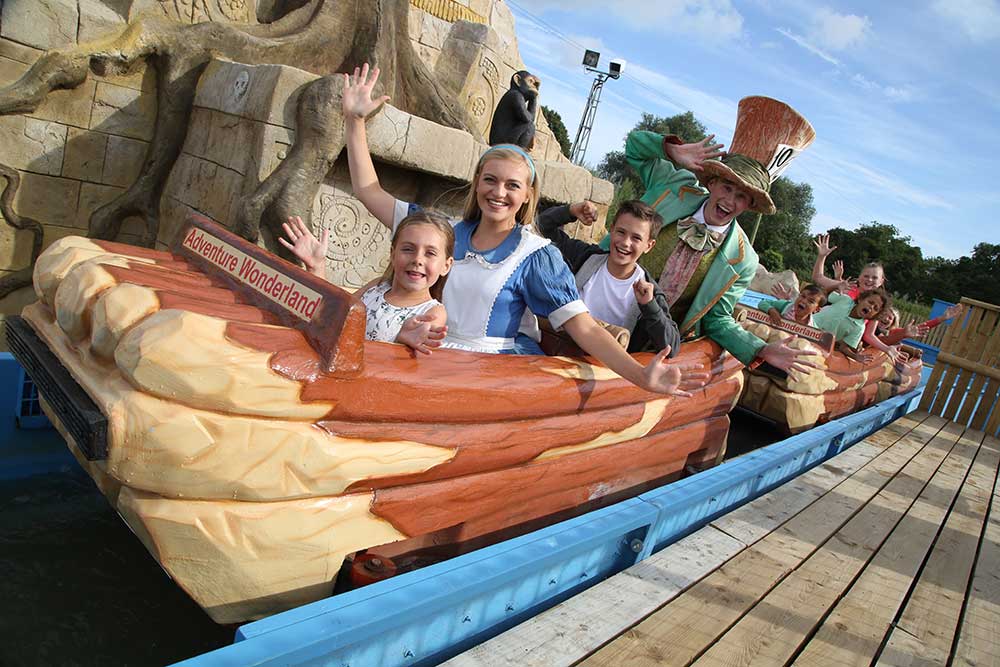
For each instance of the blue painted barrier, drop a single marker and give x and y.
(428, 615)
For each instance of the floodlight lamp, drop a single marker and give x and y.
(590, 58)
(616, 68)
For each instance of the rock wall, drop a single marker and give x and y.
(82, 147)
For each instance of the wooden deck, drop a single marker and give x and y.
(887, 554)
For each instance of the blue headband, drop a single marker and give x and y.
(517, 149)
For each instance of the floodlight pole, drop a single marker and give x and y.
(587, 122)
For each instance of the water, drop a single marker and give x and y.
(79, 589)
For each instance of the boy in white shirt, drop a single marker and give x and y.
(612, 284)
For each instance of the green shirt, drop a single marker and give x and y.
(836, 318)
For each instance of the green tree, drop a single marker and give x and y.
(558, 128)
(878, 242)
(787, 231)
(616, 169)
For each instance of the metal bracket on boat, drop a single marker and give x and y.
(74, 408)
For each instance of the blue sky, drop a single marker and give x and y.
(904, 97)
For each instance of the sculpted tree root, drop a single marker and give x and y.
(22, 277)
(306, 38)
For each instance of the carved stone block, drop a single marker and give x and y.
(359, 243)
(268, 93)
(92, 197)
(33, 144)
(563, 182)
(97, 20)
(123, 111)
(601, 191)
(437, 149)
(71, 107)
(45, 24)
(84, 155)
(123, 161)
(206, 187)
(44, 198)
(387, 132)
(221, 138)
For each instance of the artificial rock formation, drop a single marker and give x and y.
(102, 97)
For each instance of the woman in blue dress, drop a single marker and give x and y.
(502, 268)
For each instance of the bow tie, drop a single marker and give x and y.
(697, 235)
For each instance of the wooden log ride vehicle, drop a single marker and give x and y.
(227, 405)
(839, 387)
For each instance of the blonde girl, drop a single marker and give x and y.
(404, 305)
(502, 268)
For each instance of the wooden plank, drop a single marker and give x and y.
(680, 631)
(979, 636)
(774, 629)
(573, 629)
(926, 629)
(984, 407)
(990, 357)
(970, 363)
(853, 632)
(959, 349)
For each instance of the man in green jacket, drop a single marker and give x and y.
(702, 260)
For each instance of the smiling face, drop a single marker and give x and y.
(630, 240)
(419, 258)
(872, 277)
(887, 318)
(805, 305)
(502, 189)
(868, 307)
(726, 200)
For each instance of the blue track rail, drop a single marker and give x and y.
(426, 616)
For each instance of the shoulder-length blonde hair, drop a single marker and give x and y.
(439, 222)
(526, 214)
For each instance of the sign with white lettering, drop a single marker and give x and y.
(823, 339)
(290, 294)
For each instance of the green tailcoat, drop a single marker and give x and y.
(676, 194)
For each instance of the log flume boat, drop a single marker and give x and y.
(228, 406)
(838, 387)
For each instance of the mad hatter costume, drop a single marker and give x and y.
(705, 269)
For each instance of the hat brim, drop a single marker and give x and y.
(762, 202)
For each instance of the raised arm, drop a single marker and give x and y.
(823, 250)
(647, 153)
(550, 222)
(357, 106)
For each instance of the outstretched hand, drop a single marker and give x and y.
(782, 355)
(951, 312)
(782, 291)
(823, 247)
(419, 333)
(895, 354)
(357, 99)
(671, 377)
(693, 156)
(305, 246)
(838, 270)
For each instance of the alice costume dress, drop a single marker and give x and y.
(384, 319)
(489, 292)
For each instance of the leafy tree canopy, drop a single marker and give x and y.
(558, 128)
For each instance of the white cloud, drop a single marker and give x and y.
(903, 93)
(840, 31)
(978, 19)
(708, 19)
(808, 46)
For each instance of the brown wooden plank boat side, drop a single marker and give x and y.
(489, 446)
(194, 284)
(479, 504)
(400, 386)
(928, 625)
(162, 257)
(853, 631)
(682, 630)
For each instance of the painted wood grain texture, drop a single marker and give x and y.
(853, 631)
(927, 628)
(777, 626)
(681, 631)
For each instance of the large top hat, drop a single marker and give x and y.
(769, 135)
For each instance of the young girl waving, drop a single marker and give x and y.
(404, 305)
(501, 266)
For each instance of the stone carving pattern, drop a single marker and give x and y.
(196, 11)
(359, 243)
